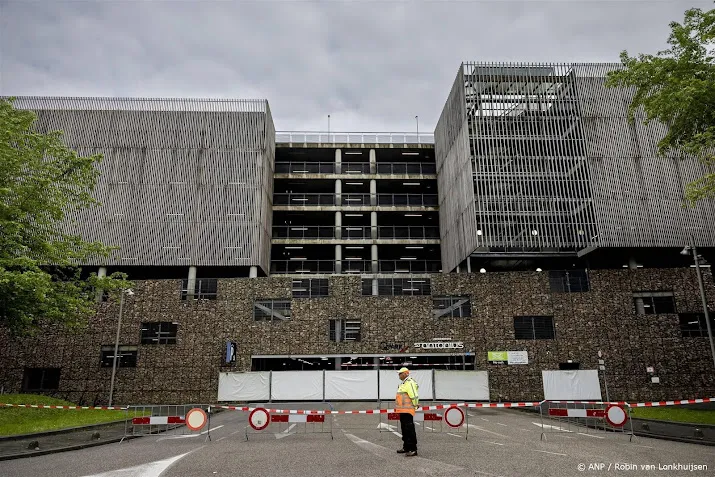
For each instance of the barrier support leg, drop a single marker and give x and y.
(208, 424)
(541, 415)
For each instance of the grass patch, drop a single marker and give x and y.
(17, 420)
(675, 414)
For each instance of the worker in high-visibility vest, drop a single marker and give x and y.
(406, 403)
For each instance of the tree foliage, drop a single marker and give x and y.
(42, 182)
(677, 87)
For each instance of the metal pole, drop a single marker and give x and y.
(417, 120)
(116, 347)
(705, 303)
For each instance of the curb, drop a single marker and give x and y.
(68, 430)
(65, 449)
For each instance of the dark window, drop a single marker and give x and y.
(566, 366)
(534, 327)
(692, 325)
(163, 332)
(204, 289)
(310, 288)
(344, 330)
(126, 357)
(41, 379)
(452, 306)
(403, 286)
(654, 303)
(366, 286)
(271, 310)
(569, 281)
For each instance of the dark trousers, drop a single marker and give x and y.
(409, 436)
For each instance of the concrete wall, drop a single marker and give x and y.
(601, 319)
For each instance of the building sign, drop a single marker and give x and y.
(440, 345)
(508, 357)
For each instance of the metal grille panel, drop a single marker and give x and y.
(183, 181)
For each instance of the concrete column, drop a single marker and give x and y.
(469, 264)
(338, 362)
(373, 192)
(191, 283)
(338, 259)
(373, 257)
(101, 273)
(338, 225)
(253, 272)
(373, 225)
(338, 161)
(373, 162)
(632, 264)
(338, 192)
(459, 270)
(374, 287)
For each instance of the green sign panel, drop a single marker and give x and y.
(497, 356)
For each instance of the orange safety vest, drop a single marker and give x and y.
(403, 402)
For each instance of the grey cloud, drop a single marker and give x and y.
(370, 65)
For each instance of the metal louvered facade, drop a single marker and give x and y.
(185, 182)
(540, 159)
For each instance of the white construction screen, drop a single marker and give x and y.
(348, 385)
(389, 381)
(461, 385)
(244, 386)
(297, 385)
(581, 385)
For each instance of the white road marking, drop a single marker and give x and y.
(527, 430)
(286, 433)
(389, 428)
(428, 427)
(548, 426)
(220, 439)
(152, 469)
(425, 466)
(500, 424)
(455, 435)
(484, 419)
(589, 435)
(647, 447)
(187, 436)
(485, 430)
(495, 443)
(547, 452)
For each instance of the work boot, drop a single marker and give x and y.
(410, 453)
(401, 451)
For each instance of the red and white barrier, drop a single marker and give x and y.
(577, 412)
(157, 420)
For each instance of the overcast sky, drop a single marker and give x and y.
(371, 65)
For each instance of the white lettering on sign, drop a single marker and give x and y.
(440, 345)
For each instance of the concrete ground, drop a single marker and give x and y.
(496, 442)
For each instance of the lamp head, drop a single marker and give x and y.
(686, 250)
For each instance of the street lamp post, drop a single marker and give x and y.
(694, 250)
(116, 341)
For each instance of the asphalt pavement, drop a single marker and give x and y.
(492, 442)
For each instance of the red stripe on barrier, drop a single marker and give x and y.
(279, 418)
(595, 412)
(432, 416)
(138, 421)
(176, 420)
(558, 412)
(316, 418)
(393, 416)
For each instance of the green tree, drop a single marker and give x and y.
(677, 87)
(42, 181)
